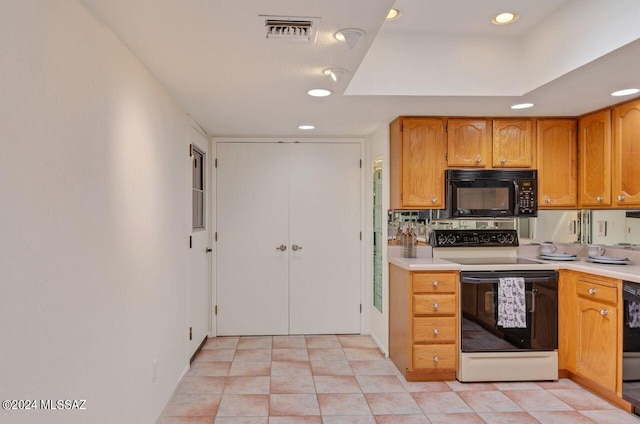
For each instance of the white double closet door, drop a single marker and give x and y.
(288, 249)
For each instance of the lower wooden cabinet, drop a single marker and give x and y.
(423, 323)
(590, 333)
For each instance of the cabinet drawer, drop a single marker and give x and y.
(600, 292)
(434, 329)
(434, 357)
(434, 304)
(434, 282)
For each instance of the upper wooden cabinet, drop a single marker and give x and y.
(626, 154)
(513, 143)
(469, 143)
(594, 146)
(418, 148)
(557, 153)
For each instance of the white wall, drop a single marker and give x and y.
(377, 144)
(92, 250)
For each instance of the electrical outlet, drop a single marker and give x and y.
(154, 365)
(601, 228)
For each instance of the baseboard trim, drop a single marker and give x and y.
(198, 350)
(601, 391)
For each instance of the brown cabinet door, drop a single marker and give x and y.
(424, 149)
(469, 143)
(594, 170)
(597, 342)
(626, 154)
(557, 163)
(512, 143)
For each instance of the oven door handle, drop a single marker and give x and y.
(476, 280)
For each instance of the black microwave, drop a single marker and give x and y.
(491, 193)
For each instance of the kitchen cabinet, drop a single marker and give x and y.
(418, 149)
(626, 155)
(469, 143)
(590, 333)
(557, 154)
(594, 169)
(423, 323)
(513, 143)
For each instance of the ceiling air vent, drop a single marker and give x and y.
(291, 27)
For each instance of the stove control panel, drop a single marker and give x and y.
(474, 238)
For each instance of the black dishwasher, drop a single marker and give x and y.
(631, 344)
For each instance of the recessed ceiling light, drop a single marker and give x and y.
(350, 36)
(306, 127)
(393, 15)
(505, 18)
(522, 106)
(319, 92)
(335, 73)
(625, 92)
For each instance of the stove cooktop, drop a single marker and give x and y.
(493, 261)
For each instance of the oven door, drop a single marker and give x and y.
(480, 329)
(631, 344)
(482, 198)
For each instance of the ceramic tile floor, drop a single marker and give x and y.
(345, 379)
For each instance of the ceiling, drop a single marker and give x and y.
(565, 56)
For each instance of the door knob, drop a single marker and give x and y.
(296, 247)
(281, 248)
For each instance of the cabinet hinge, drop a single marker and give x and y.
(361, 308)
(360, 163)
(215, 162)
(401, 196)
(360, 235)
(190, 242)
(446, 156)
(402, 127)
(215, 310)
(190, 150)
(190, 333)
(215, 237)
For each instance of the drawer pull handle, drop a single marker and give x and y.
(436, 359)
(435, 331)
(593, 291)
(436, 306)
(604, 312)
(435, 283)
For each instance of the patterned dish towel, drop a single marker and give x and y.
(634, 314)
(512, 312)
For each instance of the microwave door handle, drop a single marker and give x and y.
(516, 200)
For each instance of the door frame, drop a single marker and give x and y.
(364, 227)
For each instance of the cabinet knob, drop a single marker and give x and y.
(604, 312)
(478, 159)
(436, 306)
(599, 199)
(547, 200)
(434, 199)
(435, 283)
(503, 161)
(593, 291)
(436, 359)
(621, 198)
(436, 331)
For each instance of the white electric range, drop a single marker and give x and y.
(508, 307)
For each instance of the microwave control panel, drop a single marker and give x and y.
(526, 198)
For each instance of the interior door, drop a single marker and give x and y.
(324, 187)
(199, 272)
(252, 271)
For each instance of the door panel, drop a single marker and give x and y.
(252, 221)
(199, 271)
(325, 222)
